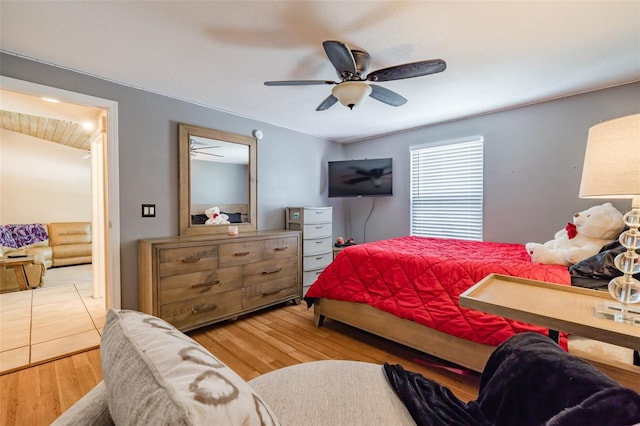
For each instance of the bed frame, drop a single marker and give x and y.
(463, 352)
(460, 351)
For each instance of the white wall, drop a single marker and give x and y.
(42, 181)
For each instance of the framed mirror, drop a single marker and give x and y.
(218, 181)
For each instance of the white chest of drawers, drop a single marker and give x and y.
(195, 281)
(317, 239)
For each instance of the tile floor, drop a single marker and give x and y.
(45, 323)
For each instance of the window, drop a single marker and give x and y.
(446, 189)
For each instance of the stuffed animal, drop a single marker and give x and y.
(583, 238)
(215, 217)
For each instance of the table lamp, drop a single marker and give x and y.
(612, 170)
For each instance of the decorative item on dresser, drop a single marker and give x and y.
(315, 224)
(199, 280)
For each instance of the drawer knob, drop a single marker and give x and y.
(281, 248)
(211, 284)
(242, 253)
(271, 272)
(191, 259)
(269, 292)
(198, 309)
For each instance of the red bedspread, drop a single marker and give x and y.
(421, 279)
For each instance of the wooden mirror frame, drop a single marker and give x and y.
(185, 131)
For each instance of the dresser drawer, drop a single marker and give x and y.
(318, 230)
(174, 261)
(317, 261)
(316, 246)
(280, 248)
(188, 286)
(269, 270)
(309, 277)
(191, 313)
(267, 292)
(241, 253)
(317, 215)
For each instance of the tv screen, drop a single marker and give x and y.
(360, 178)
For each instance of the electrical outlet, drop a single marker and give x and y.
(148, 210)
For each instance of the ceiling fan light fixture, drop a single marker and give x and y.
(351, 93)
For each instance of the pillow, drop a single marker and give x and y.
(26, 235)
(6, 237)
(154, 374)
(234, 217)
(198, 219)
(601, 265)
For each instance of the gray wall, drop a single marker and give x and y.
(216, 183)
(533, 163)
(290, 164)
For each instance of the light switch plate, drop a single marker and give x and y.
(148, 210)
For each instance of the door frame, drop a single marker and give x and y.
(107, 200)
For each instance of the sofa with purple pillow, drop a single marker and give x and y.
(26, 239)
(54, 244)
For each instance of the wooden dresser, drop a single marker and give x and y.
(198, 280)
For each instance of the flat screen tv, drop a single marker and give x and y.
(360, 178)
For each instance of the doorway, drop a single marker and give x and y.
(105, 196)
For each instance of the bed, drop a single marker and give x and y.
(237, 213)
(406, 289)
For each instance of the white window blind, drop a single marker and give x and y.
(446, 190)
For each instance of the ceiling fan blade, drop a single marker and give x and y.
(204, 147)
(208, 153)
(413, 69)
(356, 180)
(298, 82)
(387, 96)
(340, 56)
(327, 103)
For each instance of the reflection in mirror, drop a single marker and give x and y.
(217, 181)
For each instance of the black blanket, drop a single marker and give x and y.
(528, 380)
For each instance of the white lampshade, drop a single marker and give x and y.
(351, 93)
(612, 159)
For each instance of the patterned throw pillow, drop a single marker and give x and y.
(28, 234)
(6, 239)
(155, 375)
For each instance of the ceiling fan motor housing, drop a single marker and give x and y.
(362, 60)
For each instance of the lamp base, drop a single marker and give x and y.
(613, 311)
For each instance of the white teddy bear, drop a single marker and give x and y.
(215, 217)
(589, 232)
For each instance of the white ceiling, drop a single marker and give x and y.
(499, 54)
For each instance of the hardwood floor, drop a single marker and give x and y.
(252, 345)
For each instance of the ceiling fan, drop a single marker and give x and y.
(353, 87)
(200, 150)
(375, 175)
